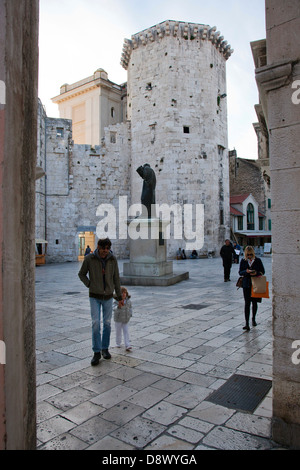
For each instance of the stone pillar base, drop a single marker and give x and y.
(160, 268)
(148, 265)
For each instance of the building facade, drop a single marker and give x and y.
(92, 104)
(248, 223)
(250, 179)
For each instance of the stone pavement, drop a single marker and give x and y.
(154, 397)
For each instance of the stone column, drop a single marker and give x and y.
(18, 146)
(278, 82)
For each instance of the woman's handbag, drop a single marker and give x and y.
(263, 295)
(239, 282)
(259, 284)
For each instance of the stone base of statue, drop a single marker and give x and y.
(148, 264)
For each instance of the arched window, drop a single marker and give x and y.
(250, 217)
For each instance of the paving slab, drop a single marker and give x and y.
(187, 342)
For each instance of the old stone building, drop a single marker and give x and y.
(78, 178)
(176, 120)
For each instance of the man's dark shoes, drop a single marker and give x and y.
(96, 359)
(105, 354)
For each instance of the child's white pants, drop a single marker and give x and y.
(119, 328)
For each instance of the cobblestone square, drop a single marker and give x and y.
(155, 396)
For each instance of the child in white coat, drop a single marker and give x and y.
(121, 317)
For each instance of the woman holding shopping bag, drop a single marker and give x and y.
(250, 266)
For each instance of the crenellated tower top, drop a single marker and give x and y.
(187, 31)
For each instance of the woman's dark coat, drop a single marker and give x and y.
(256, 266)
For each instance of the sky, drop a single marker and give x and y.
(79, 36)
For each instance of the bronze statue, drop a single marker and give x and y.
(148, 191)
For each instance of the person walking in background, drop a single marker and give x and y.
(227, 252)
(237, 252)
(250, 266)
(122, 315)
(100, 273)
(87, 250)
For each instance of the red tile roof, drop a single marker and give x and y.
(234, 211)
(238, 199)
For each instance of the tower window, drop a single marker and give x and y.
(221, 217)
(186, 129)
(113, 137)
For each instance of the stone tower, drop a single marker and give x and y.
(176, 103)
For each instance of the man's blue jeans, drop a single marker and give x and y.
(99, 342)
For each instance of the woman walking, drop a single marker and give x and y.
(250, 266)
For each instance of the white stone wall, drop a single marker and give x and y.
(79, 179)
(276, 82)
(92, 103)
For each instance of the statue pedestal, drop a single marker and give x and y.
(148, 264)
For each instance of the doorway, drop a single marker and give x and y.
(85, 240)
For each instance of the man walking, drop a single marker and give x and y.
(227, 253)
(100, 273)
